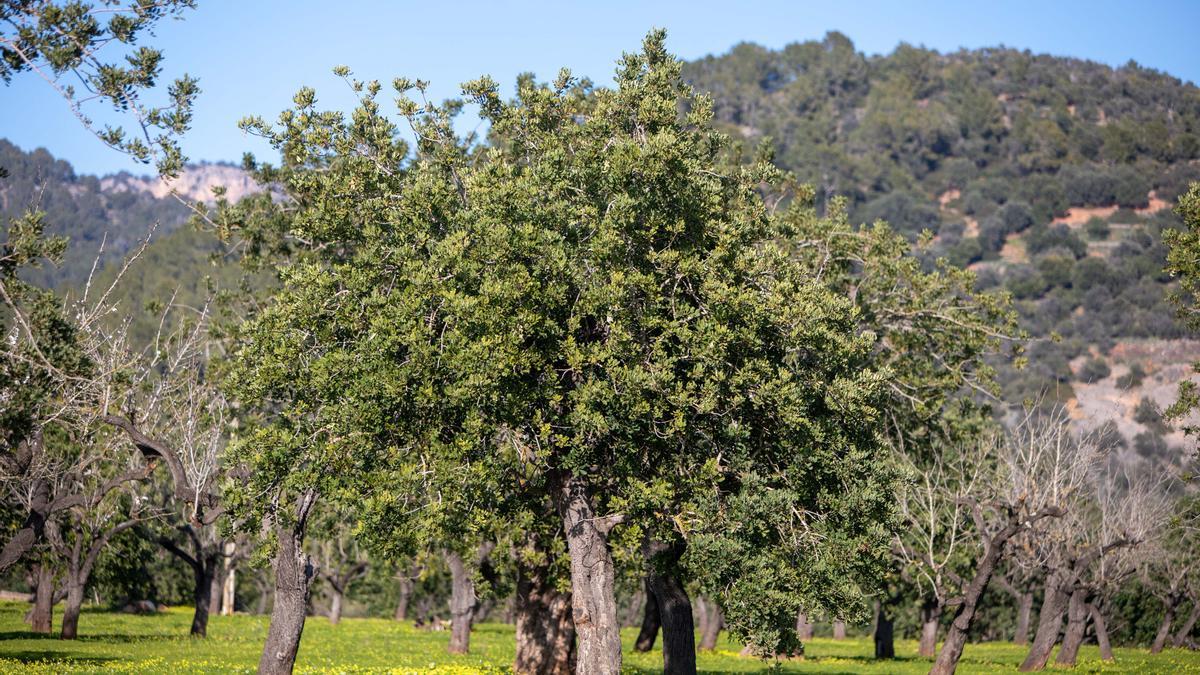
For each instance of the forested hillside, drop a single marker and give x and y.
(1052, 177)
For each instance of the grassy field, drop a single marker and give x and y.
(126, 643)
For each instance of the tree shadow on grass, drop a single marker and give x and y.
(34, 656)
(89, 637)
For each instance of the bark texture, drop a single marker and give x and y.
(1050, 618)
(1106, 652)
(293, 581)
(651, 621)
(462, 604)
(674, 607)
(1170, 607)
(41, 616)
(1060, 585)
(202, 594)
(930, 613)
(968, 604)
(593, 602)
(1077, 618)
(885, 638)
(71, 607)
(545, 629)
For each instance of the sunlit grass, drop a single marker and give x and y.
(126, 643)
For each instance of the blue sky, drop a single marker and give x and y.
(252, 55)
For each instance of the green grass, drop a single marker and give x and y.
(126, 643)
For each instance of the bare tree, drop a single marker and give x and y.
(967, 505)
(1171, 570)
(1108, 513)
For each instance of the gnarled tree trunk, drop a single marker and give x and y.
(41, 616)
(462, 604)
(72, 604)
(545, 629)
(930, 613)
(1077, 618)
(885, 638)
(1106, 652)
(651, 621)
(985, 567)
(1185, 630)
(202, 593)
(293, 580)
(1170, 606)
(674, 607)
(1054, 606)
(593, 602)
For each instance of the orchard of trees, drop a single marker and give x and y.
(598, 366)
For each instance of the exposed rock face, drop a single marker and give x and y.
(196, 183)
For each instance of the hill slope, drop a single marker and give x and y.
(1049, 176)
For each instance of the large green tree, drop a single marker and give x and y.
(593, 307)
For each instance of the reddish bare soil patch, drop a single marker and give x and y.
(1081, 214)
(1154, 206)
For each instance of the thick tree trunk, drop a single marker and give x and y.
(202, 575)
(71, 607)
(1077, 618)
(335, 608)
(674, 608)
(885, 639)
(1054, 605)
(293, 581)
(1185, 630)
(1106, 652)
(839, 630)
(930, 613)
(593, 602)
(462, 604)
(804, 627)
(651, 620)
(712, 627)
(1024, 614)
(545, 630)
(41, 617)
(956, 637)
(1164, 628)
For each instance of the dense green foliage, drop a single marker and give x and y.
(984, 149)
